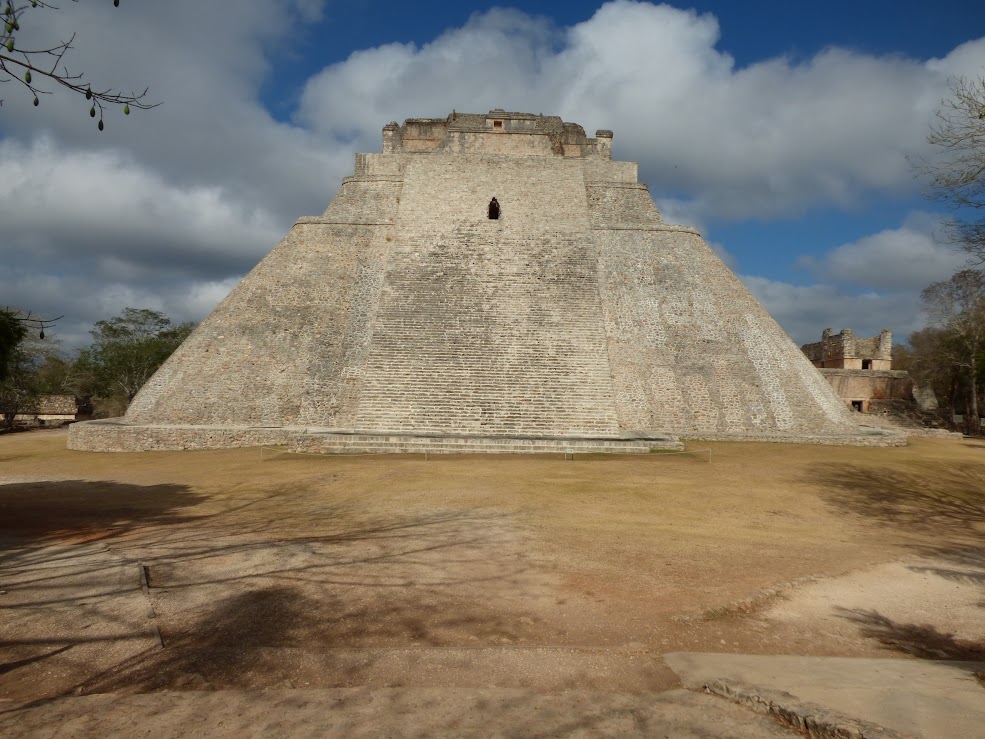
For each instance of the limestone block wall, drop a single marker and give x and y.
(513, 144)
(112, 436)
(370, 200)
(621, 206)
(490, 326)
(405, 309)
(368, 165)
(273, 353)
(845, 350)
(870, 385)
(598, 170)
(691, 350)
(498, 133)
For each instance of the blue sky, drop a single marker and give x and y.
(781, 130)
(751, 31)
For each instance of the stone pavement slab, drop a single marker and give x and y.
(919, 698)
(360, 712)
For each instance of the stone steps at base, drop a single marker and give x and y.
(329, 443)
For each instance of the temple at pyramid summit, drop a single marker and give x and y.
(487, 283)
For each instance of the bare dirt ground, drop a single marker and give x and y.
(213, 570)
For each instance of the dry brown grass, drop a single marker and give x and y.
(389, 551)
(780, 510)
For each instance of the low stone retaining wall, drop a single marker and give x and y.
(933, 433)
(114, 435)
(867, 436)
(329, 443)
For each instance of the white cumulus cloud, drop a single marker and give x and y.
(906, 258)
(772, 138)
(167, 208)
(806, 310)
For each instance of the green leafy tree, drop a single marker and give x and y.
(12, 332)
(54, 373)
(29, 365)
(37, 68)
(18, 393)
(127, 350)
(20, 388)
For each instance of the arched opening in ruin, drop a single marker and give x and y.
(494, 210)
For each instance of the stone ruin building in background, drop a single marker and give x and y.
(861, 370)
(486, 283)
(48, 410)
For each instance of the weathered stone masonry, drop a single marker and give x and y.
(861, 370)
(845, 350)
(406, 312)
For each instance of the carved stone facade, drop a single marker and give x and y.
(847, 351)
(417, 308)
(860, 370)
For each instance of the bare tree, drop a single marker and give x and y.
(31, 67)
(957, 172)
(935, 362)
(958, 306)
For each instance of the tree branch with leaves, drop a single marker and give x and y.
(12, 333)
(31, 67)
(128, 349)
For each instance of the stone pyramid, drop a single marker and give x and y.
(492, 283)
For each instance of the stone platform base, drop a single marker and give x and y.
(115, 435)
(863, 436)
(329, 443)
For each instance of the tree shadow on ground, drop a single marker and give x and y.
(964, 577)
(11, 665)
(936, 498)
(83, 510)
(966, 554)
(47, 533)
(938, 509)
(220, 650)
(918, 640)
(241, 605)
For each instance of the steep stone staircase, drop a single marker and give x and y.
(490, 327)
